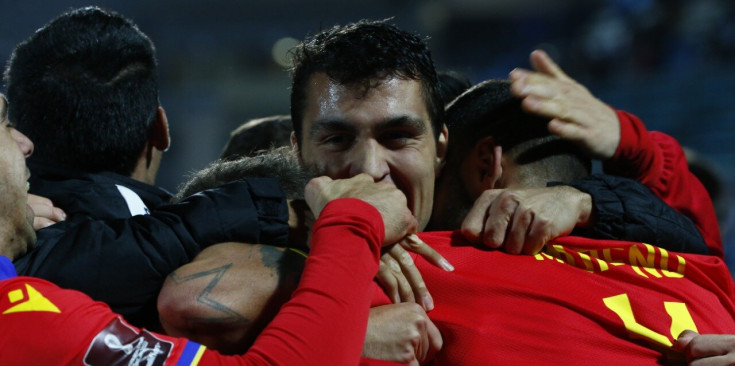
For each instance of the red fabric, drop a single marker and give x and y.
(323, 324)
(497, 308)
(657, 160)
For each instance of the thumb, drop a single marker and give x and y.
(684, 338)
(542, 62)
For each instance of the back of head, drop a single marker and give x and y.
(489, 109)
(257, 135)
(364, 53)
(84, 89)
(279, 163)
(452, 84)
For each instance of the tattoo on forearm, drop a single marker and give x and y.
(271, 256)
(229, 315)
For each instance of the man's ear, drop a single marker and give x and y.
(294, 141)
(488, 159)
(295, 144)
(441, 149)
(160, 138)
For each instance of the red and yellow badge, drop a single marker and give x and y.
(27, 299)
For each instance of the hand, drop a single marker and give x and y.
(575, 113)
(401, 333)
(524, 220)
(706, 349)
(46, 214)
(385, 197)
(399, 276)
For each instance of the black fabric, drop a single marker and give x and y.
(122, 260)
(628, 210)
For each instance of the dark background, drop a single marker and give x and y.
(668, 61)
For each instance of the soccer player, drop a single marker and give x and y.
(323, 323)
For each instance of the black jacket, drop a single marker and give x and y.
(628, 210)
(122, 260)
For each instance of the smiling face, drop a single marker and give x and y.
(16, 217)
(384, 132)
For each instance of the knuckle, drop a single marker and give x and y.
(406, 259)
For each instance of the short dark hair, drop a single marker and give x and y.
(256, 135)
(452, 84)
(279, 163)
(363, 53)
(84, 89)
(489, 109)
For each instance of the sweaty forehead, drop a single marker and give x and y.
(389, 99)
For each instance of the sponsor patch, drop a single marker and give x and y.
(121, 345)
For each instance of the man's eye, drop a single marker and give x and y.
(336, 140)
(396, 138)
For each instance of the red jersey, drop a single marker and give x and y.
(324, 323)
(580, 302)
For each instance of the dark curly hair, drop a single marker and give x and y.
(364, 53)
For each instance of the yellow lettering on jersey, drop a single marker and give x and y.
(541, 256)
(34, 302)
(561, 253)
(588, 263)
(680, 317)
(620, 304)
(646, 262)
(607, 255)
(679, 268)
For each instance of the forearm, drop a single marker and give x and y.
(335, 285)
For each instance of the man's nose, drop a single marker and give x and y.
(24, 143)
(370, 158)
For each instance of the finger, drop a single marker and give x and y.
(414, 244)
(411, 285)
(388, 281)
(58, 214)
(542, 62)
(538, 85)
(708, 345)
(41, 222)
(38, 200)
(550, 108)
(52, 213)
(474, 223)
(684, 338)
(435, 340)
(536, 237)
(516, 233)
(728, 359)
(566, 130)
(499, 216)
(518, 74)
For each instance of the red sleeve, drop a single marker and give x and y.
(325, 321)
(658, 161)
(323, 324)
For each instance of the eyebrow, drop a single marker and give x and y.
(404, 121)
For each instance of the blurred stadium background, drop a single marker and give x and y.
(222, 61)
